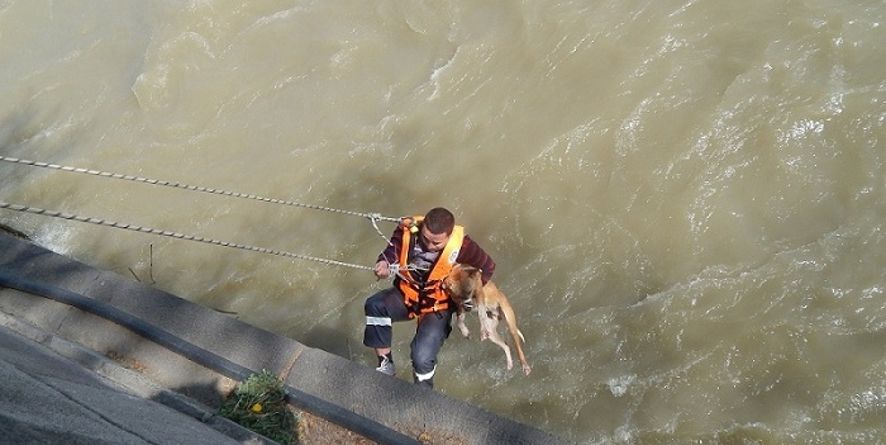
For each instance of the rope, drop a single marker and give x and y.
(373, 217)
(199, 239)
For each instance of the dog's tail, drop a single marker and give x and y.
(521, 335)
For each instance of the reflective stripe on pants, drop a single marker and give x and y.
(430, 333)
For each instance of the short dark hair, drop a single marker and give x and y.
(439, 220)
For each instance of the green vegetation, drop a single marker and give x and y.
(258, 403)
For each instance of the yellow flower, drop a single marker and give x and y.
(256, 408)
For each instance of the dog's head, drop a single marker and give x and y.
(462, 284)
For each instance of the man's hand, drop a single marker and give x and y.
(382, 269)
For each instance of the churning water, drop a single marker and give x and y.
(686, 199)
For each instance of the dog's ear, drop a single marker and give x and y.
(470, 270)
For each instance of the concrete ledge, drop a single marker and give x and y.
(409, 410)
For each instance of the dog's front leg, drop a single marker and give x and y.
(460, 322)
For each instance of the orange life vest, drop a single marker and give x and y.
(431, 297)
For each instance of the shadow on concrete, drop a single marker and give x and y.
(206, 393)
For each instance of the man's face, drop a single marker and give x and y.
(434, 242)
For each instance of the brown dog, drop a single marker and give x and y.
(467, 290)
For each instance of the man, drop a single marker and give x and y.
(424, 249)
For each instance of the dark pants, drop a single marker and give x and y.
(385, 308)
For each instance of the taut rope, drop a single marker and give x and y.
(373, 217)
(166, 233)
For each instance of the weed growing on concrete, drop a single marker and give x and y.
(258, 403)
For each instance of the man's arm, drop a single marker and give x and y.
(390, 255)
(473, 255)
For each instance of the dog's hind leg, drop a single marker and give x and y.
(511, 320)
(489, 318)
(489, 326)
